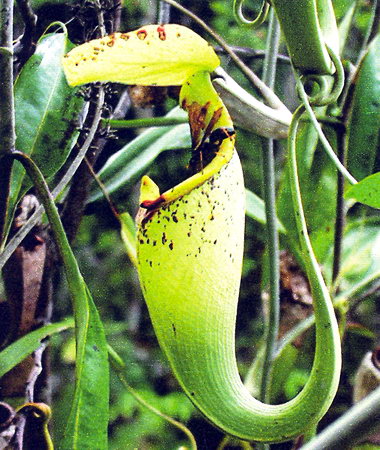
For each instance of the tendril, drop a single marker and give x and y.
(257, 21)
(324, 94)
(327, 146)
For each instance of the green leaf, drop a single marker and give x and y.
(128, 234)
(360, 258)
(345, 27)
(255, 209)
(20, 349)
(363, 126)
(282, 369)
(87, 423)
(47, 112)
(126, 166)
(366, 191)
(307, 27)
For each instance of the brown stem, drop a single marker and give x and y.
(7, 122)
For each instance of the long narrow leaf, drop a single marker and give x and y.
(17, 351)
(364, 119)
(47, 111)
(86, 427)
(367, 191)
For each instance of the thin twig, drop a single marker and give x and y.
(144, 122)
(322, 137)
(115, 22)
(250, 53)
(75, 201)
(7, 122)
(269, 96)
(100, 17)
(108, 198)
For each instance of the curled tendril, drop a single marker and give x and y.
(317, 88)
(324, 94)
(257, 21)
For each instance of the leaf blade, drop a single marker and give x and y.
(363, 126)
(20, 349)
(46, 115)
(88, 419)
(255, 209)
(367, 191)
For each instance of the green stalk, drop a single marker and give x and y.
(319, 289)
(311, 264)
(143, 123)
(74, 277)
(7, 114)
(269, 190)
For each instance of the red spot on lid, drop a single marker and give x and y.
(161, 33)
(142, 34)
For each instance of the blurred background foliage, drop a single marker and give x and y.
(113, 279)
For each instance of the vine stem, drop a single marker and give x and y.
(257, 21)
(269, 190)
(319, 288)
(7, 114)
